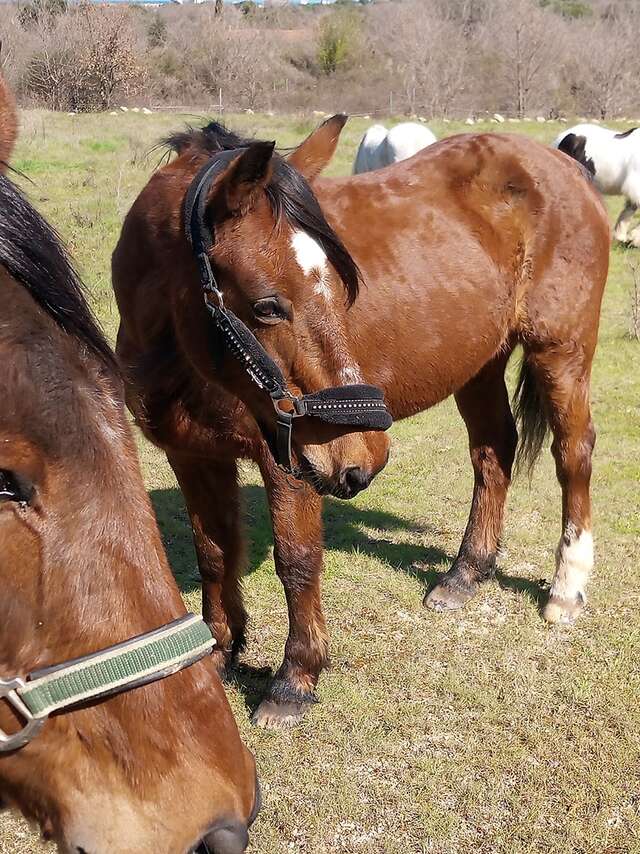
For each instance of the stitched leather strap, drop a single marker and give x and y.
(129, 664)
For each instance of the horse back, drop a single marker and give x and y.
(476, 241)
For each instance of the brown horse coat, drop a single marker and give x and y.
(475, 245)
(8, 124)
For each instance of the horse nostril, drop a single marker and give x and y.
(231, 838)
(257, 803)
(354, 480)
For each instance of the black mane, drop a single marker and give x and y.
(624, 134)
(32, 253)
(289, 195)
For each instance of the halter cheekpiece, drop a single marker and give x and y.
(361, 406)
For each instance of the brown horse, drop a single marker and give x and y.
(8, 123)
(476, 245)
(158, 768)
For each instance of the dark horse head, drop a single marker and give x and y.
(283, 271)
(82, 568)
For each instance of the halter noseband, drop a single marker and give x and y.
(360, 406)
(131, 664)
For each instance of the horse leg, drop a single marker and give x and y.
(621, 229)
(565, 386)
(296, 516)
(484, 405)
(212, 496)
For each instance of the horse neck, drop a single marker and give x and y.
(8, 123)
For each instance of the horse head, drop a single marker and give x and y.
(82, 570)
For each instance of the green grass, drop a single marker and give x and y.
(483, 731)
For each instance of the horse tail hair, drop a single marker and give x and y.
(531, 417)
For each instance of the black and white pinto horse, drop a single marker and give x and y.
(614, 161)
(380, 147)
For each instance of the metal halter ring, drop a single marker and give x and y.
(32, 726)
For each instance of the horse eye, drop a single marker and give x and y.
(270, 310)
(14, 488)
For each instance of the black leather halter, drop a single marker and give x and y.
(360, 406)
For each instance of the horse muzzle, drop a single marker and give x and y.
(230, 836)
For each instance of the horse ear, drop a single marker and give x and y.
(244, 178)
(312, 155)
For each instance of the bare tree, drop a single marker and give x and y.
(522, 38)
(84, 59)
(427, 54)
(229, 54)
(437, 57)
(603, 79)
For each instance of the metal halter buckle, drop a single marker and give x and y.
(32, 727)
(298, 403)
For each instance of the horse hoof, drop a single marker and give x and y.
(279, 716)
(446, 598)
(563, 612)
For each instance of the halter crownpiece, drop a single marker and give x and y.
(131, 664)
(360, 406)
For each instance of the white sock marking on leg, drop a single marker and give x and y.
(574, 562)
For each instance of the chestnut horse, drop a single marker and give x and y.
(476, 245)
(161, 767)
(8, 123)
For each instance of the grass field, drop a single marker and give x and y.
(481, 731)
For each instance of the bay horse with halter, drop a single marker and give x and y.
(89, 610)
(421, 279)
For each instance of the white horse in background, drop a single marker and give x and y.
(614, 161)
(380, 147)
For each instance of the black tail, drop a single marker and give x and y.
(531, 417)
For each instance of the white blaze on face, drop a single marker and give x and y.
(312, 260)
(574, 562)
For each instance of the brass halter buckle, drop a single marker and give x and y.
(32, 726)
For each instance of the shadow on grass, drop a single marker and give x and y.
(251, 682)
(344, 532)
(537, 591)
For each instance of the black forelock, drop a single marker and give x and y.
(32, 253)
(289, 194)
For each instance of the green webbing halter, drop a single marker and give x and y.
(135, 662)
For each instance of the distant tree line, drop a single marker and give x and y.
(426, 57)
